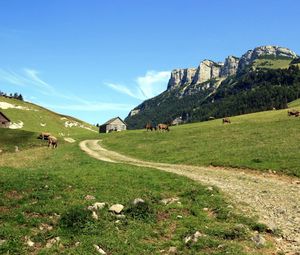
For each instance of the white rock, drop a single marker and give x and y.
(171, 200)
(99, 205)
(138, 200)
(187, 239)
(117, 208)
(52, 241)
(172, 250)
(94, 215)
(2, 241)
(99, 250)
(29, 242)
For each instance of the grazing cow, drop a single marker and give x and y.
(149, 127)
(163, 127)
(44, 136)
(293, 112)
(226, 120)
(52, 141)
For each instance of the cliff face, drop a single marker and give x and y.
(209, 69)
(230, 66)
(270, 51)
(206, 71)
(204, 81)
(180, 77)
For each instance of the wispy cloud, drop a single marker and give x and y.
(93, 106)
(27, 78)
(124, 90)
(31, 78)
(153, 83)
(34, 79)
(147, 86)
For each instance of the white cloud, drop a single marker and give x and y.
(93, 106)
(124, 90)
(34, 79)
(30, 78)
(153, 83)
(147, 86)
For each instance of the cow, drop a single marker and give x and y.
(44, 136)
(149, 127)
(163, 127)
(226, 120)
(293, 112)
(52, 141)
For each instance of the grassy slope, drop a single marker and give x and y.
(265, 140)
(38, 183)
(36, 115)
(272, 63)
(23, 139)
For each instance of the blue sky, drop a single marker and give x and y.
(96, 59)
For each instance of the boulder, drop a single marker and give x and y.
(116, 208)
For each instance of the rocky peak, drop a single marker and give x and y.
(180, 77)
(274, 51)
(230, 66)
(207, 70)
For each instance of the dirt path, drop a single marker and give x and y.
(275, 199)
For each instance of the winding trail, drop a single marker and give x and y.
(274, 199)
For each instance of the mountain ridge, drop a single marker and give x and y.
(197, 84)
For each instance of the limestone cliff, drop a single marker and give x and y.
(258, 52)
(200, 83)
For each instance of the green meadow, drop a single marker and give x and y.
(42, 196)
(262, 141)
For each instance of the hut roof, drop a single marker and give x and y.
(113, 119)
(3, 117)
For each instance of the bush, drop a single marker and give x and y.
(75, 218)
(140, 211)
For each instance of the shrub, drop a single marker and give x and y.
(141, 211)
(75, 218)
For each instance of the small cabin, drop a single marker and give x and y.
(114, 124)
(4, 121)
(177, 121)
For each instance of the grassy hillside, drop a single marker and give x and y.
(265, 63)
(264, 140)
(42, 196)
(23, 139)
(43, 209)
(39, 119)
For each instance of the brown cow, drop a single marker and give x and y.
(52, 141)
(148, 127)
(226, 120)
(44, 136)
(293, 112)
(163, 127)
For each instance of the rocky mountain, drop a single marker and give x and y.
(200, 83)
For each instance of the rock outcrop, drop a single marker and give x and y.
(180, 77)
(271, 51)
(203, 82)
(209, 69)
(230, 66)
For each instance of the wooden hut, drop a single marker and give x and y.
(114, 124)
(4, 121)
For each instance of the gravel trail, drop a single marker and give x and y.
(273, 198)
